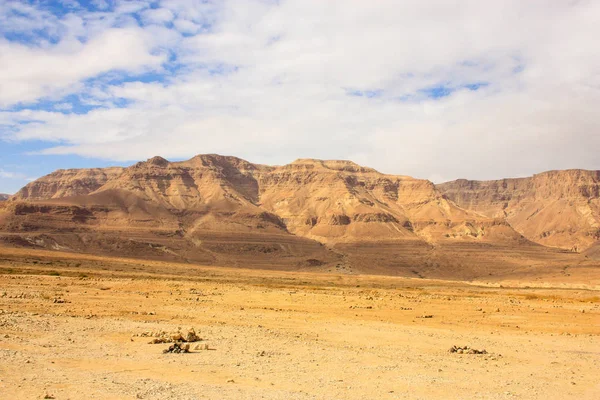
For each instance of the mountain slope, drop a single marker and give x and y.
(340, 202)
(315, 214)
(555, 208)
(329, 201)
(4, 197)
(67, 182)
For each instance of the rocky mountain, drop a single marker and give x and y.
(329, 201)
(310, 214)
(4, 197)
(67, 182)
(556, 208)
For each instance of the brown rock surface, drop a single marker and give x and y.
(310, 214)
(556, 208)
(67, 182)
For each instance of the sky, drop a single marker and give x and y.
(438, 90)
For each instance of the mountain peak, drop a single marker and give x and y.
(336, 165)
(158, 161)
(219, 161)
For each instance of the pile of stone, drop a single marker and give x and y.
(178, 348)
(171, 337)
(466, 350)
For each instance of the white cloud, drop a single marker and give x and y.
(63, 106)
(101, 4)
(273, 81)
(157, 15)
(27, 74)
(130, 6)
(7, 174)
(11, 175)
(186, 26)
(20, 17)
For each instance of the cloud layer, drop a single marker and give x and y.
(434, 89)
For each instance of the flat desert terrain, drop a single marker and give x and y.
(79, 327)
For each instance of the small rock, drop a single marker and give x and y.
(177, 348)
(191, 336)
(466, 350)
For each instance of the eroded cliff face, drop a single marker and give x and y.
(67, 182)
(330, 201)
(340, 201)
(555, 208)
(333, 201)
(309, 214)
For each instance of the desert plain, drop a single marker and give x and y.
(76, 326)
(296, 199)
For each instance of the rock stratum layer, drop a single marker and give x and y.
(556, 208)
(310, 214)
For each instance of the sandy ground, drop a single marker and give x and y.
(277, 335)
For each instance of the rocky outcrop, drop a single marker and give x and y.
(341, 202)
(67, 182)
(331, 201)
(310, 213)
(555, 208)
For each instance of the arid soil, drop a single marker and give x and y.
(77, 329)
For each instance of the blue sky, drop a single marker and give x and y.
(416, 88)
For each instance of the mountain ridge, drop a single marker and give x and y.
(553, 208)
(306, 214)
